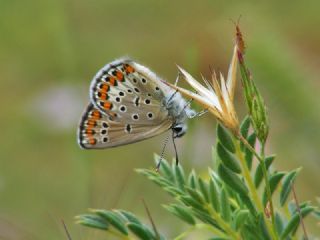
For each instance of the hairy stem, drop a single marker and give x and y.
(252, 188)
(266, 179)
(299, 211)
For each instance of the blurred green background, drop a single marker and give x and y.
(49, 52)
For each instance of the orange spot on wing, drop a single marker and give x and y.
(89, 132)
(96, 115)
(111, 80)
(105, 88)
(107, 105)
(119, 76)
(103, 96)
(129, 69)
(91, 123)
(92, 141)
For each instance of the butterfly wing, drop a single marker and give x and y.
(129, 92)
(98, 130)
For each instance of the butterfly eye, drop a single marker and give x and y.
(179, 130)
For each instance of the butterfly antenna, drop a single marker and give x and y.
(66, 230)
(175, 148)
(162, 152)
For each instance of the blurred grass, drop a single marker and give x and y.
(45, 177)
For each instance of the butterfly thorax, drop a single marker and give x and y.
(179, 111)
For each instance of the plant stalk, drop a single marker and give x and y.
(230, 232)
(200, 226)
(299, 211)
(252, 186)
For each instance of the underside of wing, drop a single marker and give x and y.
(98, 130)
(124, 91)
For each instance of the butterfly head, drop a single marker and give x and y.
(180, 110)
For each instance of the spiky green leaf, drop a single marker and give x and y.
(259, 172)
(287, 184)
(232, 180)
(225, 138)
(228, 159)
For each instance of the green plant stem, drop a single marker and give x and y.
(252, 188)
(266, 179)
(299, 211)
(225, 226)
(200, 226)
(265, 174)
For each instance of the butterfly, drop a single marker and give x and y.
(130, 103)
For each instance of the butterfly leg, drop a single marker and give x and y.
(175, 148)
(199, 114)
(162, 152)
(177, 79)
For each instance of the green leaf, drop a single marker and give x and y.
(93, 221)
(248, 202)
(232, 180)
(273, 182)
(287, 183)
(165, 168)
(278, 223)
(179, 174)
(225, 206)
(263, 227)
(206, 218)
(245, 126)
(196, 195)
(248, 154)
(214, 194)
(295, 221)
(228, 159)
(259, 172)
(141, 231)
(225, 138)
(192, 179)
(162, 182)
(173, 191)
(181, 212)
(204, 189)
(113, 219)
(293, 207)
(241, 218)
(189, 201)
(131, 217)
